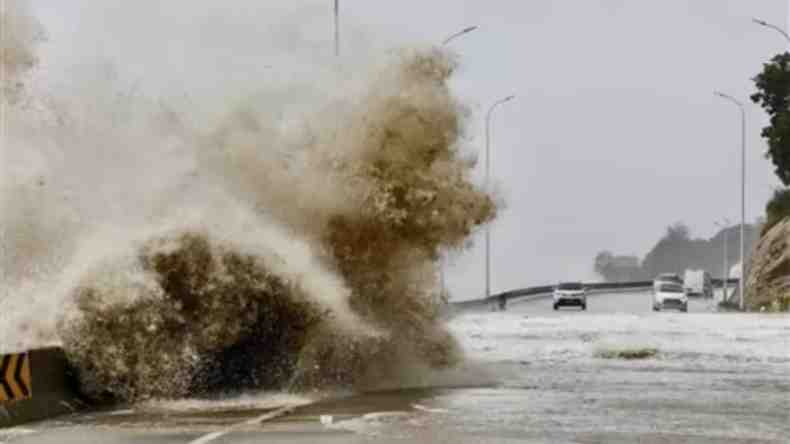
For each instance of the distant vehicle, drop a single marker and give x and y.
(698, 283)
(669, 278)
(670, 295)
(570, 293)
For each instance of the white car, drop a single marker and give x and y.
(570, 293)
(670, 295)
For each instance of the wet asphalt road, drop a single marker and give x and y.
(532, 375)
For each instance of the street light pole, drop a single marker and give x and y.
(743, 190)
(442, 279)
(337, 28)
(487, 185)
(774, 27)
(726, 274)
(458, 34)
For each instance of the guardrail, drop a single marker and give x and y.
(544, 290)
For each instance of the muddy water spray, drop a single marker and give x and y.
(281, 256)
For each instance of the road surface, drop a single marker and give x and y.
(532, 375)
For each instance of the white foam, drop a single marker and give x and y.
(246, 401)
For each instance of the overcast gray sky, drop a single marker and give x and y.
(615, 132)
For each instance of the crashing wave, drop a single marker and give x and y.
(312, 263)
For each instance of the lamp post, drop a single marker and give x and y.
(488, 184)
(458, 34)
(442, 279)
(774, 27)
(337, 28)
(735, 101)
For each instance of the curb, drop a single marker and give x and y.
(45, 391)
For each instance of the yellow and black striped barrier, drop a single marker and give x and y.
(15, 381)
(55, 388)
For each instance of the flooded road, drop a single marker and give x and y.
(532, 375)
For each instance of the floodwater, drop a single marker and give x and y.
(532, 375)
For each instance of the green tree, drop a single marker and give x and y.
(673, 253)
(678, 233)
(617, 268)
(773, 92)
(676, 251)
(602, 263)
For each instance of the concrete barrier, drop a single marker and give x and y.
(46, 390)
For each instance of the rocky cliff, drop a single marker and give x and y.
(768, 286)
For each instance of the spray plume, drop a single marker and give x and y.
(266, 254)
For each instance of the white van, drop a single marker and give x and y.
(698, 283)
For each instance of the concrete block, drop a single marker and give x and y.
(40, 387)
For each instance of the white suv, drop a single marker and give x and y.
(670, 295)
(570, 293)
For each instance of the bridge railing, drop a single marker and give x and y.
(543, 290)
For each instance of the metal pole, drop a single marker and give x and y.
(487, 180)
(459, 33)
(744, 273)
(774, 27)
(487, 185)
(726, 268)
(726, 274)
(742, 280)
(441, 259)
(337, 28)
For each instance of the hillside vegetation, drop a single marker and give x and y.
(675, 252)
